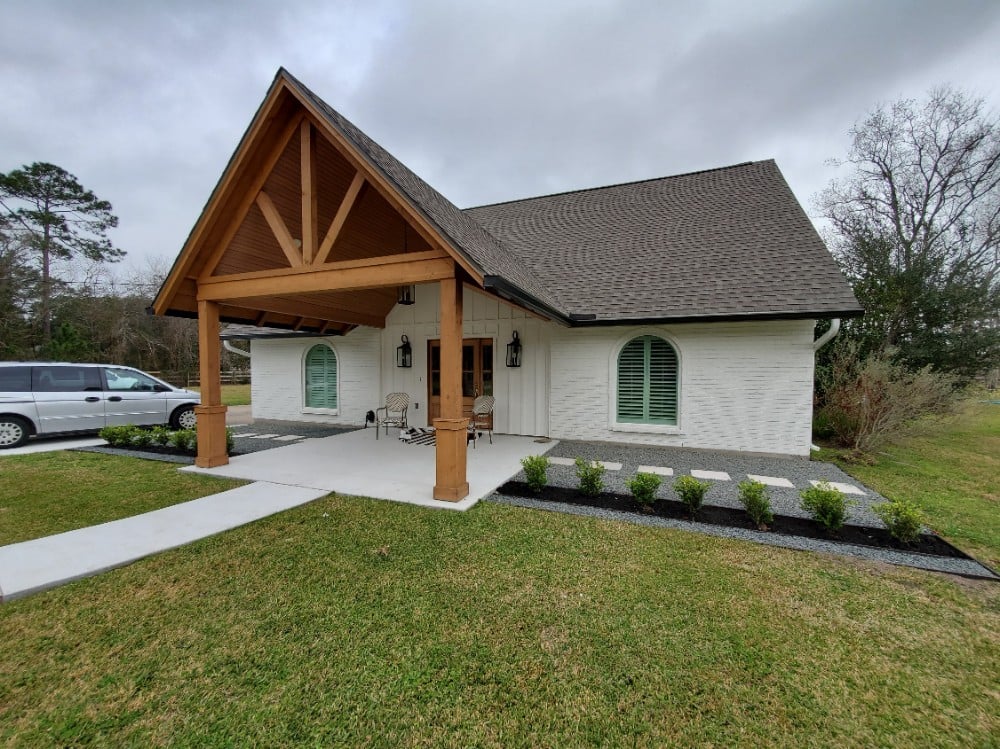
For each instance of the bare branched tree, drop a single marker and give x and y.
(917, 225)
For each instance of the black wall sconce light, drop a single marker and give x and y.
(406, 294)
(514, 352)
(404, 354)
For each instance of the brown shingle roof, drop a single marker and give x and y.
(724, 243)
(718, 244)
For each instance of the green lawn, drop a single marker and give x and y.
(232, 395)
(54, 492)
(953, 473)
(352, 622)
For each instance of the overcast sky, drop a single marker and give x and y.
(145, 101)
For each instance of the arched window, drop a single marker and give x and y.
(647, 382)
(321, 377)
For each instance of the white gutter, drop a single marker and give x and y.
(819, 342)
(230, 347)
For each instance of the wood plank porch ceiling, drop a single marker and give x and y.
(300, 234)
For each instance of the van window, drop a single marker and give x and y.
(64, 379)
(15, 379)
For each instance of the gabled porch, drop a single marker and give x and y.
(312, 229)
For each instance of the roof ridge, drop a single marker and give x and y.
(617, 184)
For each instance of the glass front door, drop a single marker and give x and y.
(477, 373)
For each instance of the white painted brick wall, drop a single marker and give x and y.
(277, 385)
(744, 386)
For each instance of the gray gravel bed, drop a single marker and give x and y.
(266, 426)
(966, 567)
(244, 445)
(723, 493)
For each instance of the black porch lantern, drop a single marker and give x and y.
(404, 354)
(406, 294)
(514, 352)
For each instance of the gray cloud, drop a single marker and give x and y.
(487, 101)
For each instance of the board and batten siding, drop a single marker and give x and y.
(743, 386)
(368, 371)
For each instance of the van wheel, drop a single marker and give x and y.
(14, 431)
(184, 418)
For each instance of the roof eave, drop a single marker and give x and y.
(576, 321)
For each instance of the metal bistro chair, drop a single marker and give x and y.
(482, 415)
(393, 413)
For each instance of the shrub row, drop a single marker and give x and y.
(132, 436)
(826, 505)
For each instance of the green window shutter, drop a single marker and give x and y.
(321, 377)
(647, 382)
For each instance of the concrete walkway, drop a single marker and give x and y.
(51, 444)
(32, 566)
(356, 463)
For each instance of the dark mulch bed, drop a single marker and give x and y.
(714, 515)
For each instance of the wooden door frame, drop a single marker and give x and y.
(478, 369)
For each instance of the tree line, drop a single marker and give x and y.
(59, 297)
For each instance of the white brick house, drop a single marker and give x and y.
(672, 311)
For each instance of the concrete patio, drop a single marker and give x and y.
(356, 463)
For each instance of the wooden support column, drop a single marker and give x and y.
(211, 413)
(452, 427)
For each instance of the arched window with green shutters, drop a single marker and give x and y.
(321, 377)
(647, 382)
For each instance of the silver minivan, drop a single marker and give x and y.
(42, 398)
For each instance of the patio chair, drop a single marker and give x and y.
(482, 415)
(393, 413)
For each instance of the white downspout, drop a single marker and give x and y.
(230, 347)
(823, 339)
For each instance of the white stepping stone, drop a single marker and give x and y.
(288, 438)
(771, 481)
(714, 475)
(562, 461)
(241, 436)
(843, 488)
(659, 470)
(264, 436)
(610, 466)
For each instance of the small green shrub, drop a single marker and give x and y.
(692, 492)
(903, 519)
(643, 487)
(160, 436)
(591, 475)
(535, 469)
(755, 499)
(120, 436)
(142, 438)
(230, 441)
(826, 505)
(184, 439)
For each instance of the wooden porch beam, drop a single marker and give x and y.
(281, 233)
(310, 227)
(297, 325)
(260, 318)
(396, 270)
(338, 221)
(248, 199)
(303, 311)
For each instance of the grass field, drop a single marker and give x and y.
(232, 395)
(54, 492)
(363, 623)
(952, 472)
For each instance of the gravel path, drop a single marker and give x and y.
(799, 471)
